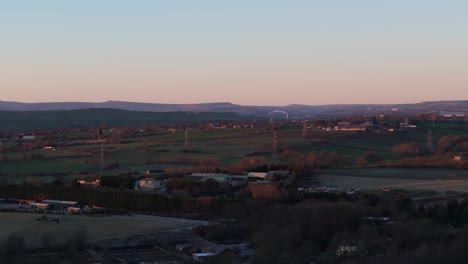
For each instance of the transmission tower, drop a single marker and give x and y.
(116, 136)
(274, 147)
(100, 136)
(433, 120)
(186, 143)
(304, 130)
(429, 141)
(102, 155)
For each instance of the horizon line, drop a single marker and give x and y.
(227, 102)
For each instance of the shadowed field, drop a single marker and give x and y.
(437, 181)
(96, 227)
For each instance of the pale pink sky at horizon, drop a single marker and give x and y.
(248, 52)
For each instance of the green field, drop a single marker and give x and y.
(440, 129)
(227, 145)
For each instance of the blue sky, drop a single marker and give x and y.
(246, 52)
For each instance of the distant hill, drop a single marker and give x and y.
(111, 117)
(131, 106)
(294, 111)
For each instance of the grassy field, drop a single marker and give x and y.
(420, 180)
(96, 227)
(414, 174)
(440, 129)
(229, 146)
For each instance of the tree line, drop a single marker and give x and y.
(117, 199)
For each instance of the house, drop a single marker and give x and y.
(150, 184)
(49, 148)
(452, 114)
(25, 205)
(43, 206)
(351, 248)
(90, 183)
(257, 175)
(74, 210)
(61, 204)
(28, 138)
(461, 157)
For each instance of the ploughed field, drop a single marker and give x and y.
(96, 228)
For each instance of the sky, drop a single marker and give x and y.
(250, 52)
